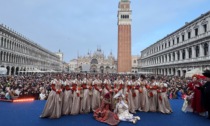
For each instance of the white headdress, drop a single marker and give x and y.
(118, 95)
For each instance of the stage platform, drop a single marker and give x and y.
(27, 114)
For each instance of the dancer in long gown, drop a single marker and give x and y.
(122, 110)
(153, 95)
(118, 87)
(53, 106)
(108, 89)
(104, 113)
(96, 99)
(85, 101)
(136, 95)
(196, 100)
(144, 102)
(163, 102)
(129, 94)
(67, 98)
(90, 85)
(77, 94)
(107, 85)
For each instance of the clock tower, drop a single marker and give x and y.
(124, 37)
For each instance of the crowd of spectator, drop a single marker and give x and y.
(38, 85)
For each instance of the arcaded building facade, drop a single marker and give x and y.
(20, 55)
(181, 51)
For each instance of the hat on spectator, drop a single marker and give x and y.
(206, 73)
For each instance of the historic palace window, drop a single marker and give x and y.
(206, 49)
(182, 37)
(189, 35)
(205, 28)
(183, 54)
(190, 52)
(177, 40)
(178, 55)
(173, 56)
(196, 32)
(197, 51)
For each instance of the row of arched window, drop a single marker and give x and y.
(180, 55)
(17, 47)
(14, 58)
(179, 38)
(124, 16)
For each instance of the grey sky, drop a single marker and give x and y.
(81, 25)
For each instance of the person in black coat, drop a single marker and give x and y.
(205, 92)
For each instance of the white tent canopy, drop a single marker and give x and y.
(39, 71)
(194, 71)
(3, 71)
(145, 73)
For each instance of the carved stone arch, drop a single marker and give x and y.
(94, 61)
(93, 68)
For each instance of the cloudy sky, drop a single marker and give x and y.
(76, 26)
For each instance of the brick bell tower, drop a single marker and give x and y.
(124, 37)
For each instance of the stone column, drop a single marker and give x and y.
(209, 48)
(14, 71)
(201, 50)
(181, 73)
(176, 71)
(172, 71)
(164, 72)
(180, 56)
(172, 57)
(164, 58)
(176, 56)
(186, 53)
(10, 70)
(168, 57)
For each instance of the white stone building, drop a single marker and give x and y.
(18, 54)
(60, 55)
(62, 63)
(183, 50)
(94, 63)
(134, 63)
(73, 65)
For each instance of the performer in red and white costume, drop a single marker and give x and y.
(130, 94)
(104, 114)
(53, 106)
(122, 109)
(163, 103)
(193, 87)
(152, 93)
(144, 102)
(77, 95)
(85, 101)
(97, 92)
(67, 98)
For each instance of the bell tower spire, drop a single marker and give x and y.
(124, 36)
